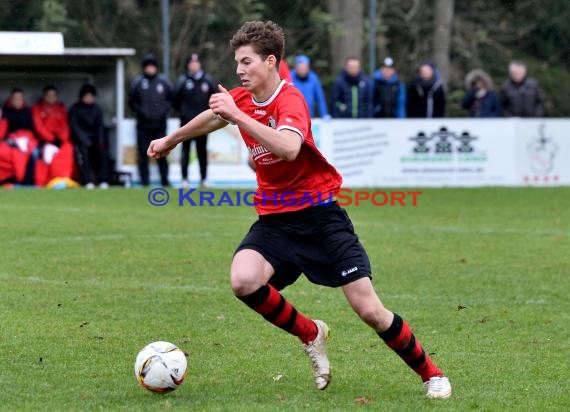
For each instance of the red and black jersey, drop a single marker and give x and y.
(286, 186)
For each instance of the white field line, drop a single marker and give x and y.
(52, 238)
(382, 227)
(110, 285)
(462, 230)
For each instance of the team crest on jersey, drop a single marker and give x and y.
(272, 122)
(205, 87)
(189, 84)
(160, 88)
(144, 84)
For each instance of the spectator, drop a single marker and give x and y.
(88, 133)
(426, 97)
(351, 94)
(17, 140)
(389, 92)
(521, 96)
(481, 100)
(149, 97)
(191, 96)
(308, 82)
(52, 129)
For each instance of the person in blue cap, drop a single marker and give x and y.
(309, 84)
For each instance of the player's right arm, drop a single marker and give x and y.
(206, 122)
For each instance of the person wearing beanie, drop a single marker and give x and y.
(150, 96)
(426, 97)
(191, 96)
(88, 135)
(389, 92)
(309, 84)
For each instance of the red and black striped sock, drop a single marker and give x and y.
(400, 339)
(270, 304)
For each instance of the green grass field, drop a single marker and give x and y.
(87, 278)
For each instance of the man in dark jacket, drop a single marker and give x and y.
(521, 96)
(351, 93)
(191, 97)
(88, 134)
(149, 98)
(389, 92)
(426, 97)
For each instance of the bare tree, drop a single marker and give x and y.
(441, 40)
(346, 32)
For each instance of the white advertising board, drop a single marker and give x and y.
(13, 42)
(227, 156)
(543, 152)
(421, 153)
(399, 153)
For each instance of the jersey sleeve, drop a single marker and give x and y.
(294, 114)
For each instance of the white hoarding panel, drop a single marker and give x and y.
(543, 152)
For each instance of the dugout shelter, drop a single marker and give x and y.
(32, 60)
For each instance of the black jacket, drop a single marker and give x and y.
(426, 100)
(86, 124)
(150, 97)
(522, 100)
(351, 97)
(192, 94)
(18, 119)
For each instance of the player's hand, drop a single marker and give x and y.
(223, 105)
(160, 147)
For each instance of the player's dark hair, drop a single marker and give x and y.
(49, 88)
(266, 38)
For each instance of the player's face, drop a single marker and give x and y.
(50, 97)
(252, 69)
(17, 100)
(194, 66)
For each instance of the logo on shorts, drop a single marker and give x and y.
(348, 271)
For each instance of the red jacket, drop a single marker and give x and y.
(50, 121)
(3, 127)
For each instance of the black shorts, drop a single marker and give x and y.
(318, 241)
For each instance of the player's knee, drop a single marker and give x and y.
(372, 315)
(244, 283)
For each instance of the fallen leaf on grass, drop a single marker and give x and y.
(363, 400)
(277, 378)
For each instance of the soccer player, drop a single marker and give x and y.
(291, 238)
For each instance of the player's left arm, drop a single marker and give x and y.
(283, 143)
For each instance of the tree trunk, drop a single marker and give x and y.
(346, 30)
(441, 41)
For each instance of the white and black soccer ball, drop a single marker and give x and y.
(160, 367)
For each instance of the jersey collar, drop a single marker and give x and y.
(271, 98)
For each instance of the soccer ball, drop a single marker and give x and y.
(160, 367)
